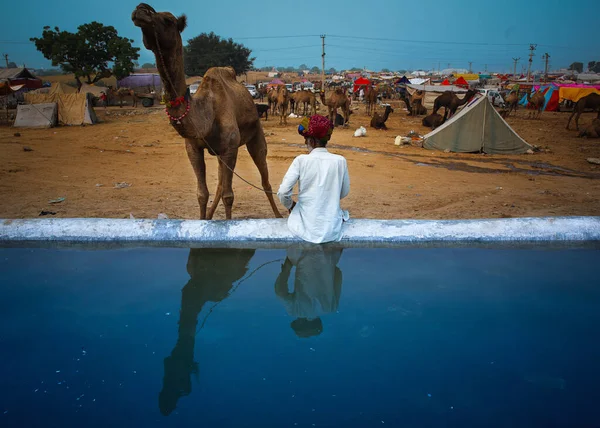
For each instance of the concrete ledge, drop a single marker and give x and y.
(274, 233)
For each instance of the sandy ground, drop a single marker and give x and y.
(138, 147)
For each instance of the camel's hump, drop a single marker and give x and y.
(220, 72)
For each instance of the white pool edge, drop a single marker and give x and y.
(275, 231)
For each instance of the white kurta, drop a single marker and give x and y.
(323, 180)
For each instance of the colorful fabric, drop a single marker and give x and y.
(575, 94)
(316, 126)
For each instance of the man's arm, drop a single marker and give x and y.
(345, 182)
(287, 185)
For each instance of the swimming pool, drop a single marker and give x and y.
(299, 336)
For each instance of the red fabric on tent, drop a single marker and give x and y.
(361, 81)
(445, 83)
(553, 101)
(461, 82)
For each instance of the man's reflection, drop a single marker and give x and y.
(317, 287)
(212, 272)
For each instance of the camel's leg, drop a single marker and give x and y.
(575, 112)
(218, 194)
(196, 156)
(226, 178)
(257, 148)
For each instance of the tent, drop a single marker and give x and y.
(446, 82)
(433, 91)
(36, 115)
(461, 82)
(476, 128)
(92, 89)
(61, 88)
(73, 109)
(402, 81)
(361, 81)
(551, 95)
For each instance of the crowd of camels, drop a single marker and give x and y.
(222, 116)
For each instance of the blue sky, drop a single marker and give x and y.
(383, 34)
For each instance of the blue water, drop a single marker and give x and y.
(435, 337)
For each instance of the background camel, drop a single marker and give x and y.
(417, 106)
(283, 100)
(536, 103)
(306, 99)
(378, 121)
(451, 102)
(121, 94)
(591, 101)
(371, 100)
(336, 99)
(272, 100)
(512, 101)
(433, 120)
(592, 130)
(220, 117)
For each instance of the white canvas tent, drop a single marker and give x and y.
(36, 115)
(433, 91)
(476, 128)
(73, 109)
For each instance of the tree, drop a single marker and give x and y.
(315, 70)
(594, 66)
(576, 66)
(385, 70)
(148, 65)
(209, 50)
(88, 52)
(303, 67)
(332, 71)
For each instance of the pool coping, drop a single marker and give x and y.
(272, 233)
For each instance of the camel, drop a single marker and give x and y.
(378, 122)
(433, 120)
(417, 103)
(371, 100)
(536, 102)
(451, 102)
(220, 117)
(592, 130)
(272, 99)
(591, 101)
(282, 103)
(334, 100)
(213, 273)
(262, 92)
(306, 98)
(122, 93)
(419, 110)
(512, 101)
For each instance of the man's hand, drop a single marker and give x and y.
(292, 207)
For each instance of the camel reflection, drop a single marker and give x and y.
(212, 272)
(317, 287)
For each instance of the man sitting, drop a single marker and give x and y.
(322, 179)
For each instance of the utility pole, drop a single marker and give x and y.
(323, 62)
(470, 67)
(531, 55)
(546, 58)
(516, 60)
(486, 68)
(6, 59)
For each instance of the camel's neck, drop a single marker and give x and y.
(197, 123)
(464, 99)
(170, 68)
(386, 114)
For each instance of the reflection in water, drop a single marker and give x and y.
(212, 272)
(317, 287)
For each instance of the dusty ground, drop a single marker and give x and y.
(138, 147)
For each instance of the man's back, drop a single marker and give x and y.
(322, 181)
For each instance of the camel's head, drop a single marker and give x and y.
(160, 29)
